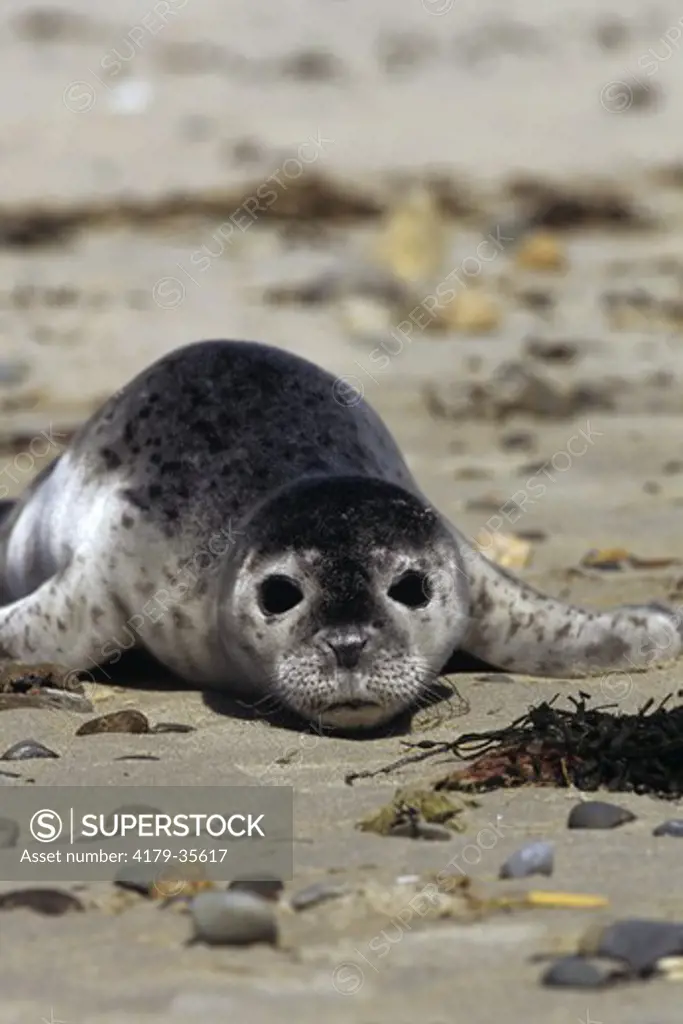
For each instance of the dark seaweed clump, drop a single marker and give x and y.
(590, 748)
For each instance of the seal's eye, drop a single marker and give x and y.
(413, 590)
(279, 594)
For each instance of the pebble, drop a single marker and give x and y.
(9, 833)
(535, 536)
(598, 814)
(577, 972)
(536, 298)
(52, 902)
(116, 721)
(550, 351)
(638, 942)
(233, 919)
(421, 830)
(319, 892)
(672, 827)
(267, 888)
(24, 750)
(532, 859)
(518, 440)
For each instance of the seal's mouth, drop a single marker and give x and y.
(355, 714)
(353, 705)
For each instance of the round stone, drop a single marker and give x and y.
(597, 814)
(532, 859)
(640, 942)
(233, 919)
(672, 827)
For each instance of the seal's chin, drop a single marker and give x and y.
(356, 714)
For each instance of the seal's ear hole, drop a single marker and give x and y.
(413, 589)
(279, 594)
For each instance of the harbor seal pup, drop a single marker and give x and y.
(234, 513)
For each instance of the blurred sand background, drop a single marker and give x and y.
(306, 173)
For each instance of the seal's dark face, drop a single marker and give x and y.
(352, 603)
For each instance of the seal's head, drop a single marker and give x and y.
(348, 600)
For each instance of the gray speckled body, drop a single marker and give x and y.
(228, 467)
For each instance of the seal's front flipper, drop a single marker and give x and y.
(516, 628)
(69, 619)
(5, 508)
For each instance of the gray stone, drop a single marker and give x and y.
(596, 814)
(233, 919)
(641, 942)
(672, 827)
(532, 859)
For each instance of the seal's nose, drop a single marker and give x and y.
(347, 648)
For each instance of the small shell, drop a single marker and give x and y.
(25, 750)
(117, 721)
(420, 830)
(52, 902)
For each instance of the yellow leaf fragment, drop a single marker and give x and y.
(471, 311)
(412, 239)
(565, 900)
(541, 251)
(506, 550)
